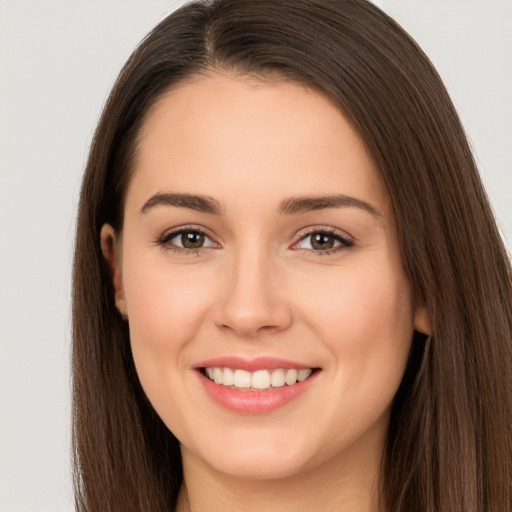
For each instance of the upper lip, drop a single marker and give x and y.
(251, 365)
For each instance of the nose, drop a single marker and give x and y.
(252, 300)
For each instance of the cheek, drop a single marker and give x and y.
(164, 302)
(365, 319)
(166, 307)
(358, 300)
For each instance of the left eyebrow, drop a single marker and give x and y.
(203, 204)
(296, 205)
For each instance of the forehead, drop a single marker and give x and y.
(223, 132)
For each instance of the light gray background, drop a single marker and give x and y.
(58, 60)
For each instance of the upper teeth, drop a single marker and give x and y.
(261, 379)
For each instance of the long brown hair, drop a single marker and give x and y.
(450, 439)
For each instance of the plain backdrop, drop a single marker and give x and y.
(58, 60)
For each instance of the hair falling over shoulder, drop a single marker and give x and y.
(449, 445)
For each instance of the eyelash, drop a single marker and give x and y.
(164, 241)
(345, 242)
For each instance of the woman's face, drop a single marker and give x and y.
(259, 249)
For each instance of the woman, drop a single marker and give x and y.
(289, 289)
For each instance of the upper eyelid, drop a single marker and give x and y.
(345, 240)
(324, 229)
(164, 240)
(171, 233)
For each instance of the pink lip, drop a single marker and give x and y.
(253, 402)
(250, 365)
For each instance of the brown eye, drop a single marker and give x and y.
(192, 239)
(322, 241)
(186, 240)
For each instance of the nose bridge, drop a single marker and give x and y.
(252, 302)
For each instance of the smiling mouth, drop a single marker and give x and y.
(259, 380)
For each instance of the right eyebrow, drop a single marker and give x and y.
(304, 204)
(203, 204)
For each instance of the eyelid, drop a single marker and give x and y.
(346, 240)
(168, 235)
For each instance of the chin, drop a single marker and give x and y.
(260, 466)
(260, 456)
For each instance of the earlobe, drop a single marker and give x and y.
(422, 320)
(111, 254)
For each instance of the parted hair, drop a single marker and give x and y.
(449, 445)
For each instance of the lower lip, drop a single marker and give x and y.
(255, 402)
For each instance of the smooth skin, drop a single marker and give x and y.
(324, 287)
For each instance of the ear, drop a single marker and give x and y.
(422, 320)
(111, 254)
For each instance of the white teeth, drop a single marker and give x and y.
(217, 375)
(242, 379)
(277, 378)
(291, 377)
(228, 378)
(260, 379)
(304, 374)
